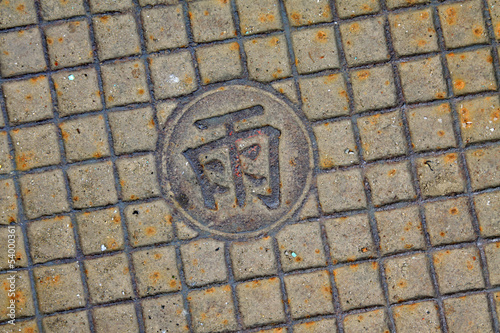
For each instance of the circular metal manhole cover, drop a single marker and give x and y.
(236, 161)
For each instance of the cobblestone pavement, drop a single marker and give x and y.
(250, 166)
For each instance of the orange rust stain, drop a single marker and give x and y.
(489, 59)
(274, 41)
(374, 265)
(266, 18)
(440, 133)
(454, 211)
(111, 243)
(111, 98)
(343, 93)
(140, 91)
(424, 15)
(173, 283)
(104, 19)
(421, 43)
(392, 172)
(440, 95)
(234, 46)
(150, 231)
(402, 284)
(459, 84)
(24, 160)
(442, 234)
(321, 36)
(155, 277)
(36, 79)
(20, 8)
(451, 16)
(97, 155)
(60, 39)
(477, 31)
(354, 27)
(50, 41)
(296, 17)
(450, 158)
(363, 75)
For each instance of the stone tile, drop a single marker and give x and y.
(35, 146)
(259, 16)
(488, 210)
(83, 180)
(8, 202)
(495, 16)
(156, 271)
(253, 258)
(492, 251)
(315, 49)
(364, 41)
(468, 314)
(359, 285)
(463, 24)
(449, 221)
(413, 32)
(479, 119)
(124, 82)
(212, 310)
(101, 6)
(51, 239)
(368, 322)
(310, 208)
(149, 223)
(203, 262)
(336, 145)
(373, 88)
(164, 313)
(323, 325)
(21, 52)
(458, 269)
(288, 89)
(267, 58)
(349, 8)
(133, 130)
(6, 165)
(423, 80)
(55, 9)
(23, 298)
(211, 20)
(17, 13)
(431, 127)
(20, 326)
(440, 175)
(220, 62)
(382, 135)
(18, 253)
(484, 169)
(28, 100)
(173, 75)
(164, 28)
(324, 97)
(68, 322)
(59, 287)
(421, 316)
(185, 232)
(138, 178)
(77, 91)
(260, 302)
(100, 231)
(404, 3)
(308, 12)
(390, 183)
(164, 111)
(121, 318)
(44, 193)
(341, 190)
(472, 71)
(69, 44)
(108, 279)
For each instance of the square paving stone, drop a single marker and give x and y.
(69, 44)
(124, 82)
(413, 32)
(77, 91)
(211, 20)
(468, 314)
(36, 146)
(308, 12)
(287, 88)
(59, 287)
(440, 175)
(431, 127)
(21, 52)
(51, 239)
(300, 246)
(492, 251)
(173, 74)
(138, 178)
(324, 97)
(164, 28)
(221, 62)
(449, 221)
(350, 8)
(260, 302)
(116, 36)
(17, 13)
(83, 180)
(315, 49)
(56, 9)
(101, 6)
(149, 223)
(390, 183)
(323, 325)
(165, 313)
(19, 255)
(85, 138)
(267, 58)
(336, 145)
(463, 24)
(28, 100)
(368, 322)
(204, 262)
(364, 41)
(156, 271)
(121, 318)
(472, 71)
(68, 322)
(108, 279)
(309, 208)
(359, 285)
(341, 190)
(479, 119)
(23, 298)
(21, 326)
(382, 135)
(488, 213)
(309, 294)
(133, 130)
(400, 230)
(212, 310)
(421, 317)
(44, 193)
(100, 231)
(253, 258)
(349, 238)
(8, 202)
(259, 16)
(6, 164)
(423, 80)
(458, 269)
(373, 88)
(484, 168)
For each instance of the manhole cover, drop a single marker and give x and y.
(236, 161)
